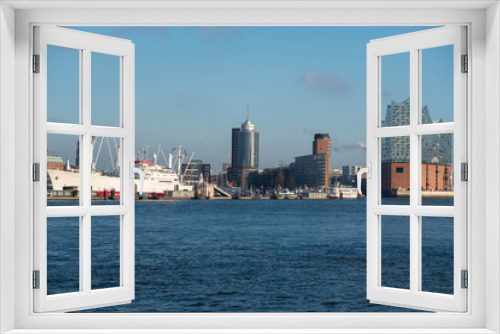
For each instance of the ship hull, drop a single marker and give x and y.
(62, 179)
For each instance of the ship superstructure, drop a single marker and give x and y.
(158, 179)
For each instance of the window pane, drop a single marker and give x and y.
(437, 169)
(63, 169)
(106, 166)
(105, 252)
(395, 252)
(395, 171)
(63, 85)
(437, 84)
(105, 90)
(395, 92)
(63, 255)
(437, 254)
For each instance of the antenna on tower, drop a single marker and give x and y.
(248, 111)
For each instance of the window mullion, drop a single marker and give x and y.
(419, 253)
(85, 78)
(81, 257)
(86, 158)
(414, 120)
(414, 170)
(86, 253)
(85, 171)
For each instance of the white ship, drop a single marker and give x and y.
(342, 193)
(158, 179)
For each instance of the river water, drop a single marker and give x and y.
(250, 256)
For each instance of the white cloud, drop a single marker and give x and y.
(337, 147)
(327, 83)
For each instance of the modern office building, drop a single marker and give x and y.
(349, 175)
(310, 171)
(335, 177)
(233, 171)
(193, 170)
(224, 177)
(313, 170)
(245, 151)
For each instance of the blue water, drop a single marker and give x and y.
(251, 256)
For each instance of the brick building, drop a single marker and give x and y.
(54, 162)
(435, 177)
(322, 145)
(436, 154)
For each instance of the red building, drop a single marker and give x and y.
(54, 162)
(435, 177)
(322, 144)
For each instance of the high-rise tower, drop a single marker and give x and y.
(245, 151)
(322, 144)
(248, 146)
(234, 155)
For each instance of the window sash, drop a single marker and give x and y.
(413, 43)
(85, 298)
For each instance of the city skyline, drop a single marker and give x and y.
(194, 83)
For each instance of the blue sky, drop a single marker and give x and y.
(193, 85)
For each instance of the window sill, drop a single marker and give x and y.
(253, 331)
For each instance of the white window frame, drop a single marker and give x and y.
(413, 44)
(483, 20)
(85, 44)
